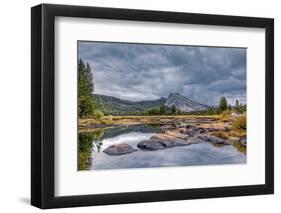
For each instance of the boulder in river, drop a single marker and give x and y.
(195, 140)
(157, 144)
(214, 140)
(119, 149)
(176, 134)
(166, 137)
(193, 130)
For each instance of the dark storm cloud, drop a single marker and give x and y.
(145, 72)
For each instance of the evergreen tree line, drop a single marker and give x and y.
(238, 107)
(162, 110)
(87, 106)
(222, 107)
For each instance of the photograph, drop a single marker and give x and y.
(155, 105)
(144, 105)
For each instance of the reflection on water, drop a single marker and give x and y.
(92, 157)
(88, 142)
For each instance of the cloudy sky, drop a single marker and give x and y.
(147, 72)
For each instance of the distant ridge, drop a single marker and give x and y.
(114, 106)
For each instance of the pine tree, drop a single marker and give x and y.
(229, 107)
(85, 89)
(237, 105)
(173, 109)
(162, 109)
(222, 104)
(101, 105)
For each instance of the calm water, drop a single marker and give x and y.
(195, 154)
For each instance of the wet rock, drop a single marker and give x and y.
(156, 144)
(177, 134)
(119, 149)
(165, 137)
(195, 140)
(190, 132)
(190, 126)
(151, 145)
(167, 126)
(227, 128)
(243, 142)
(217, 129)
(193, 130)
(200, 130)
(178, 138)
(169, 144)
(214, 140)
(181, 125)
(212, 129)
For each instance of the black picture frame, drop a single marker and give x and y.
(43, 102)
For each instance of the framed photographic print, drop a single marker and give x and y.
(139, 106)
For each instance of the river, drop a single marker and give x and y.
(192, 155)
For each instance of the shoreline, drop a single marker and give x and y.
(91, 124)
(214, 126)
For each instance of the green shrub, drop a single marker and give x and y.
(240, 123)
(98, 114)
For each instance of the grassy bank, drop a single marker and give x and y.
(107, 121)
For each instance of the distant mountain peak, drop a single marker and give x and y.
(183, 103)
(117, 106)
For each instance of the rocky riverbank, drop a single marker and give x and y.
(173, 135)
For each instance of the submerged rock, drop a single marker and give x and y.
(214, 140)
(119, 149)
(157, 144)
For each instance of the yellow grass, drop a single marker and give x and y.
(130, 120)
(220, 134)
(162, 116)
